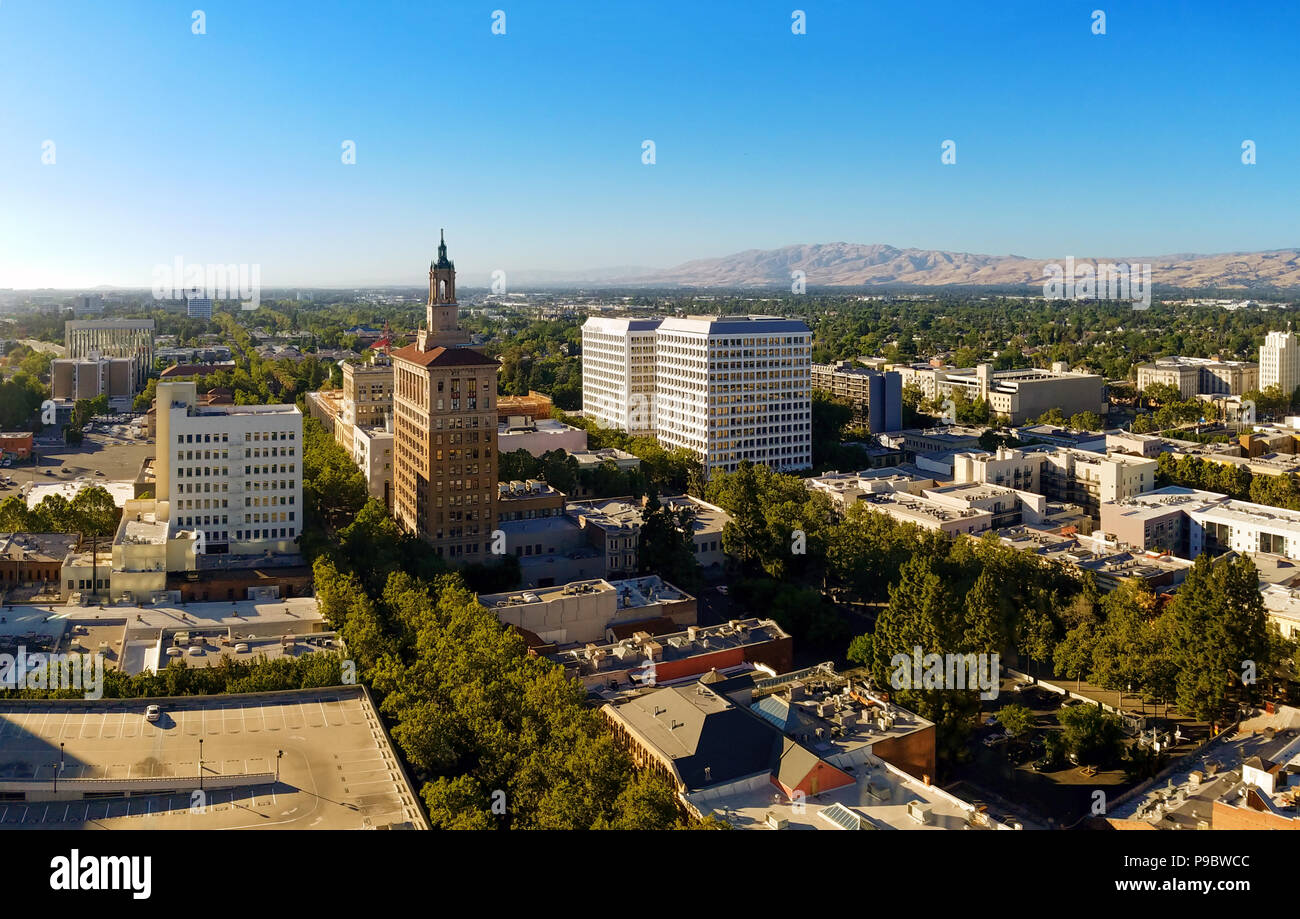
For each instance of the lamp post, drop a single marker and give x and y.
(55, 770)
(200, 764)
(60, 756)
(278, 755)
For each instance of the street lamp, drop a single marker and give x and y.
(60, 756)
(200, 764)
(278, 755)
(56, 776)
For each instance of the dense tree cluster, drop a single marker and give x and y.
(91, 512)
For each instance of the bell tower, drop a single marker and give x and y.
(441, 312)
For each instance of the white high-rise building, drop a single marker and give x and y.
(230, 472)
(735, 388)
(618, 373)
(729, 389)
(1279, 362)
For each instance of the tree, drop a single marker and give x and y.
(1016, 719)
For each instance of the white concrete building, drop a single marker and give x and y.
(232, 473)
(1279, 362)
(735, 388)
(1062, 474)
(538, 436)
(372, 451)
(618, 373)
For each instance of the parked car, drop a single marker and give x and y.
(152, 713)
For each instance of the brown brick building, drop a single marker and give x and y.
(445, 430)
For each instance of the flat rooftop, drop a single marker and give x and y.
(338, 769)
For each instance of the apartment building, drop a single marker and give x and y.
(109, 338)
(231, 474)
(1279, 361)
(618, 373)
(1188, 522)
(877, 397)
(1194, 376)
(1061, 474)
(445, 430)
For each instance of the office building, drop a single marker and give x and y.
(1279, 362)
(618, 373)
(91, 377)
(198, 306)
(728, 389)
(1194, 376)
(232, 473)
(445, 430)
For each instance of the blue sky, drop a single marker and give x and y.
(226, 147)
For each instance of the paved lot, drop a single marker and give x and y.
(97, 454)
(338, 770)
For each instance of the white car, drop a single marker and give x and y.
(152, 713)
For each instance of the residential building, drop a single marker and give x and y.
(445, 430)
(1188, 522)
(1061, 474)
(109, 338)
(877, 397)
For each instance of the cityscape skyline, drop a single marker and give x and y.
(536, 157)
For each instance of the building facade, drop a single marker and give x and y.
(1279, 362)
(445, 430)
(129, 338)
(232, 474)
(1193, 376)
(618, 373)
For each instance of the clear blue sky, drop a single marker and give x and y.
(225, 147)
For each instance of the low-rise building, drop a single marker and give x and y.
(582, 611)
(537, 436)
(642, 660)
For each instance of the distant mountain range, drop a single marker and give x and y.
(853, 265)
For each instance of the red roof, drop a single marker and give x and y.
(444, 357)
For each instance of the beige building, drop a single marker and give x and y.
(583, 610)
(1194, 376)
(367, 400)
(445, 430)
(1073, 476)
(1014, 395)
(92, 376)
(1279, 362)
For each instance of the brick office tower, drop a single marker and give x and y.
(445, 430)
